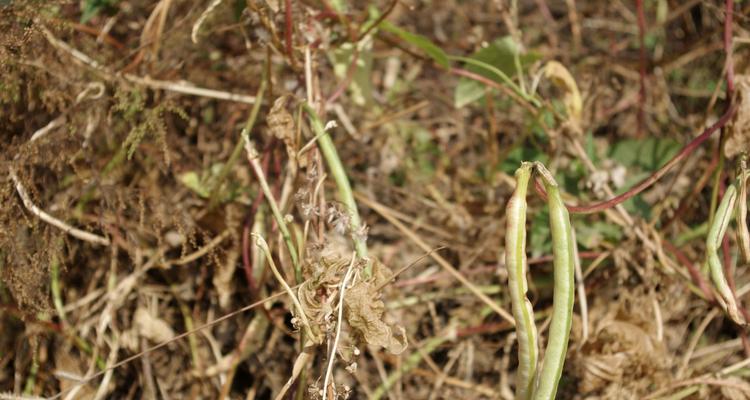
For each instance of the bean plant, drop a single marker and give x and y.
(534, 381)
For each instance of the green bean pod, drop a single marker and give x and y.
(563, 296)
(515, 262)
(713, 243)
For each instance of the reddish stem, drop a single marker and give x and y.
(695, 274)
(687, 150)
(702, 182)
(642, 62)
(379, 20)
(729, 7)
(247, 247)
(495, 85)
(288, 28)
(347, 79)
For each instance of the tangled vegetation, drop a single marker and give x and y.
(312, 199)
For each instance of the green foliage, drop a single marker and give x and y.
(361, 83)
(539, 234)
(519, 154)
(590, 235)
(646, 154)
(419, 41)
(10, 91)
(201, 182)
(500, 55)
(641, 157)
(129, 102)
(93, 7)
(151, 122)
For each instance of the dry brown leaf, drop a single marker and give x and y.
(734, 388)
(223, 278)
(66, 363)
(364, 310)
(317, 295)
(281, 124)
(561, 77)
(738, 139)
(152, 327)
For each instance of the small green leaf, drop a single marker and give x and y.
(519, 154)
(92, 7)
(646, 154)
(500, 54)
(590, 235)
(539, 234)
(360, 87)
(423, 43)
(193, 182)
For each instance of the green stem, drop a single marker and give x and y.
(252, 156)
(214, 190)
(503, 77)
(342, 183)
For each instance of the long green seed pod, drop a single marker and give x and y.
(562, 305)
(713, 243)
(743, 235)
(515, 262)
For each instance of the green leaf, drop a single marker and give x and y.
(423, 43)
(500, 54)
(360, 87)
(646, 154)
(520, 153)
(590, 235)
(193, 182)
(539, 234)
(92, 7)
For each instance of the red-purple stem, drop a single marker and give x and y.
(642, 69)
(687, 150)
(695, 274)
(729, 7)
(288, 28)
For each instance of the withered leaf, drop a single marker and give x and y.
(738, 139)
(364, 310)
(281, 124)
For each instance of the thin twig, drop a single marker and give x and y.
(178, 337)
(261, 243)
(202, 18)
(346, 197)
(332, 355)
(200, 252)
(383, 211)
(72, 231)
(642, 65)
(178, 87)
(252, 157)
(646, 183)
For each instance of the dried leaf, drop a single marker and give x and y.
(364, 311)
(152, 327)
(327, 267)
(281, 124)
(734, 388)
(738, 139)
(561, 77)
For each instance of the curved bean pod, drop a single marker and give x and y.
(713, 243)
(515, 262)
(563, 296)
